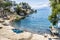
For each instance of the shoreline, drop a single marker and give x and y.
(6, 33)
(32, 31)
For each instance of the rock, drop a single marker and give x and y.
(3, 38)
(0, 27)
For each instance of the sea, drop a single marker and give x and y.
(36, 22)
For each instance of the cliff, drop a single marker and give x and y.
(8, 10)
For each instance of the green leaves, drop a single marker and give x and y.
(23, 8)
(53, 19)
(58, 7)
(5, 4)
(55, 11)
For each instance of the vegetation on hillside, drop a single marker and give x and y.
(21, 9)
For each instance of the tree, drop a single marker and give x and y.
(5, 6)
(25, 5)
(55, 11)
(23, 8)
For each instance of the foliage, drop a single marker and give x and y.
(5, 4)
(26, 5)
(55, 10)
(18, 9)
(23, 8)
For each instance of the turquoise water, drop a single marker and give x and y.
(36, 22)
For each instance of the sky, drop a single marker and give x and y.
(35, 3)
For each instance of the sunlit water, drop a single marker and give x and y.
(35, 22)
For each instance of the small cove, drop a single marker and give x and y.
(36, 22)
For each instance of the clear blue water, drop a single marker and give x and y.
(36, 22)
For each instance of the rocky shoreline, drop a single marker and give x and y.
(6, 33)
(8, 15)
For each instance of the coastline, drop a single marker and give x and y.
(6, 33)
(11, 12)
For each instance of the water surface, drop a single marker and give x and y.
(36, 22)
